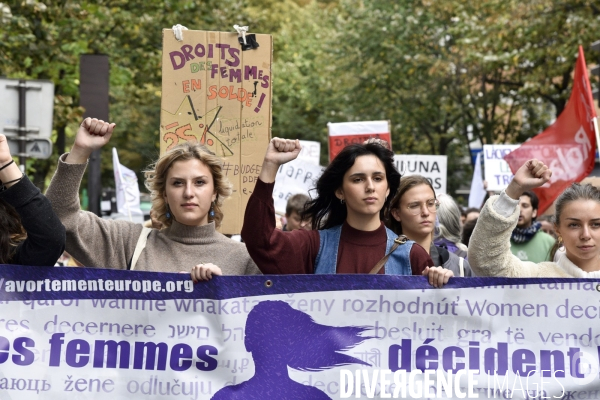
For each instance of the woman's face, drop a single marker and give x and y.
(365, 187)
(415, 201)
(189, 192)
(579, 227)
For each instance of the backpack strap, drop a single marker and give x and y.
(461, 266)
(140, 246)
(397, 242)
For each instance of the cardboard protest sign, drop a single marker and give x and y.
(344, 133)
(434, 168)
(497, 172)
(297, 176)
(218, 95)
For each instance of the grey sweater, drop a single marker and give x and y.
(97, 242)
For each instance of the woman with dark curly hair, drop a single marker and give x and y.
(188, 188)
(349, 235)
(30, 232)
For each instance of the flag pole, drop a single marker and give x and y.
(129, 212)
(595, 122)
(118, 166)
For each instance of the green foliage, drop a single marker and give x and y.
(45, 41)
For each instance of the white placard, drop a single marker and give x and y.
(342, 134)
(497, 172)
(311, 152)
(358, 128)
(431, 167)
(297, 176)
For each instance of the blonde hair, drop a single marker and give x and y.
(156, 177)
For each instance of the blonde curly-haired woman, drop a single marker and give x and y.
(188, 188)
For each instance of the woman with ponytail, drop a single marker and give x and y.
(577, 225)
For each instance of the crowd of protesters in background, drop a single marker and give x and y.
(342, 229)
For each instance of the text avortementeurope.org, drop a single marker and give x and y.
(93, 285)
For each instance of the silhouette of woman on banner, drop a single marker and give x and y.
(279, 336)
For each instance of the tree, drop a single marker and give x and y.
(45, 41)
(448, 72)
(445, 73)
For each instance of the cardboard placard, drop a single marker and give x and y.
(218, 95)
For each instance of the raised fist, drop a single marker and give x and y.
(93, 134)
(281, 151)
(530, 175)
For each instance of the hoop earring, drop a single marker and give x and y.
(211, 213)
(342, 201)
(560, 242)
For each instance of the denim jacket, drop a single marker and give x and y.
(326, 263)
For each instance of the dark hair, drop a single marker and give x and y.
(326, 211)
(11, 232)
(572, 193)
(472, 209)
(408, 182)
(468, 231)
(534, 200)
(296, 203)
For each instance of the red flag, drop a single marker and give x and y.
(568, 146)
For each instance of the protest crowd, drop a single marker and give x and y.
(365, 218)
(224, 203)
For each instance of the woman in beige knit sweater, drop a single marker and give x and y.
(577, 220)
(188, 188)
